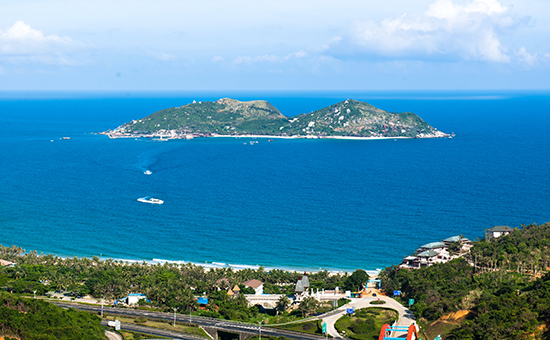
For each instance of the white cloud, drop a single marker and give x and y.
(23, 44)
(162, 56)
(445, 31)
(271, 58)
(526, 57)
(217, 59)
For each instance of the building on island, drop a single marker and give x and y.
(257, 285)
(497, 231)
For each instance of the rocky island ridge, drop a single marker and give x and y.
(232, 118)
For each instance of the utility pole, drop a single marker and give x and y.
(102, 308)
(175, 309)
(260, 329)
(35, 293)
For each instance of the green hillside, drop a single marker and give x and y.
(29, 319)
(503, 288)
(232, 117)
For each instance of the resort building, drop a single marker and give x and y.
(302, 287)
(257, 285)
(436, 252)
(133, 298)
(497, 231)
(436, 246)
(5, 263)
(234, 292)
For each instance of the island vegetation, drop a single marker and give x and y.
(230, 117)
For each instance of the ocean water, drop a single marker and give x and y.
(315, 204)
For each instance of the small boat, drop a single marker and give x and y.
(66, 138)
(148, 172)
(149, 199)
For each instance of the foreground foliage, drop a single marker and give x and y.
(30, 319)
(500, 283)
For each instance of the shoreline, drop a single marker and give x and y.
(188, 136)
(237, 267)
(214, 264)
(312, 137)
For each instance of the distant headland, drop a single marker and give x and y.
(349, 119)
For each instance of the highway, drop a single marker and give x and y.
(223, 325)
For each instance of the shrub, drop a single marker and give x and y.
(366, 326)
(140, 319)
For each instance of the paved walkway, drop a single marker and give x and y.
(406, 317)
(113, 335)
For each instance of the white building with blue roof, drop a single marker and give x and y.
(133, 298)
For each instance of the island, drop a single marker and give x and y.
(232, 118)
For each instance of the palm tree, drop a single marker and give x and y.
(283, 303)
(308, 306)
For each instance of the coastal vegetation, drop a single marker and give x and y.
(166, 285)
(31, 319)
(230, 117)
(501, 290)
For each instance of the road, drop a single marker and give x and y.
(224, 325)
(406, 317)
(112, 335)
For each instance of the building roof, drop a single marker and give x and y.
(305, 281)
(253, 283)
(236, 289)
(501, 228)
(410, 258)
(6, 263)
(428, 253)
(455, 239)
(433, 245)
(136, 294)
(299, 286)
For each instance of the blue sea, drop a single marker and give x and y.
(295, 204)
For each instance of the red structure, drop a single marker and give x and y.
(386, 331)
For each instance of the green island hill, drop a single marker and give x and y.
(229, 117)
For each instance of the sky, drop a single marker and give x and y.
(179, 45)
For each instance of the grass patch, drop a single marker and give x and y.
(309, 327)
(439, 328)
(377, 302)
(182, 327)
(137, 336)
(366, 323)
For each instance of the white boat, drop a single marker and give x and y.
(149, 199)
(148, 172)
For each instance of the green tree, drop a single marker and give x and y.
(283, 303)
(308, 305)
(357, 280)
